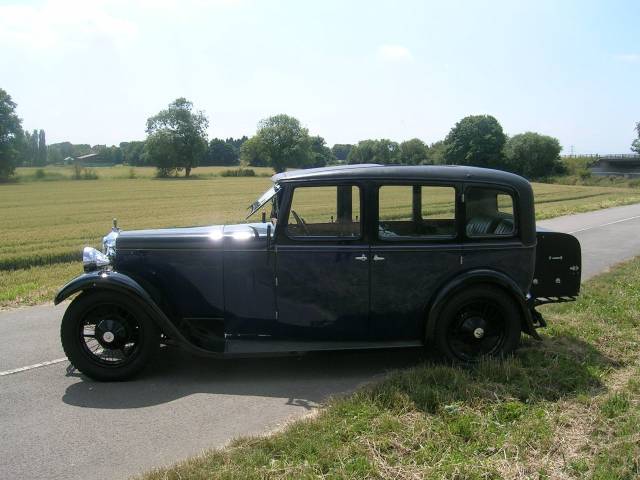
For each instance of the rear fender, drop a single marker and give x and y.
(474, 277)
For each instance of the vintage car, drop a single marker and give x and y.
(350, 257)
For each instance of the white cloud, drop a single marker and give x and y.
(395, 53)
(58, 24)
(55, 24)
(628, 57)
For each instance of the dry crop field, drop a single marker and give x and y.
(45, 224)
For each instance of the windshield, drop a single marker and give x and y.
(266, 196)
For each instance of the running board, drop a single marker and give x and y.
(233, 346)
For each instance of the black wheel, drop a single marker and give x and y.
(480, 321)
(108, 336)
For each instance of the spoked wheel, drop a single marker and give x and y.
(110, 335)
(107, 336)
(478, 322)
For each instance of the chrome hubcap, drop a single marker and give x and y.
(108, 337)
(478, 332)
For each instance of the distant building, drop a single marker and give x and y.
(621, 165)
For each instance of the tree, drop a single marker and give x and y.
(251, 153)
(382, 151)
(221, 152)
(533, 155)
(42, 149)
(10, 135)
(476, 140)
(177, 138)
(341, 151)
(436, 152)
(414, 152)
(132, 152)
(321, 154)
(281, 142)
(635, 146)
(32, 149)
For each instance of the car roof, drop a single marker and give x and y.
(457, 173)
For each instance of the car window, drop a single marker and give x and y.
(489, 213)
(325, 212)
(416, 211)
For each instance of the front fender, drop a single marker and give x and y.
(103, 280)
(473, 277)
(123, 284)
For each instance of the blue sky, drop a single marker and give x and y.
(93, 71)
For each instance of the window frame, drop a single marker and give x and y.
(323, 238)
(457, 188)
(503, 189)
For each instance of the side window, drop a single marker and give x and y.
(489, 213)
(325, 212)
(416, 211)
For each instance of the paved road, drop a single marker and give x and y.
(57, 425)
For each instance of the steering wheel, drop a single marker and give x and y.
(300, 221)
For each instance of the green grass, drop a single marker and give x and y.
(45, 224)
(567, 407)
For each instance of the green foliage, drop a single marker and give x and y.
(221, 152)
(10, 135)
(83, 173)
(437, 151)
(42, 149)
(321, 155)
(414, 152)
(341, 151)
(381, 151)
(177, 138)
(132, 153)
(532, 155)
(635, 146)
(281, 142)
(238, 172)
(251, 153)
(476, 140)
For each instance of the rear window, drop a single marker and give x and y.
(489, 213)
(416, 211)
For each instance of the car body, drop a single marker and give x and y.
(360, 256)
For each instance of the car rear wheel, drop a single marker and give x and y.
(107, 336)
(478, 322)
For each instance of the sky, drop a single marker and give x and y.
(93, 71)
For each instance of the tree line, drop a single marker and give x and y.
(177, 141)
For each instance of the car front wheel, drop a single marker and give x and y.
(478, 322)
(107, 336)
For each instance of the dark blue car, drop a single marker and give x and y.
(361, 256)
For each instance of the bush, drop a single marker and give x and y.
(84, 173)
(239, 172)
(40, 174)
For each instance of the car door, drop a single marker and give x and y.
(415, 249)
(322, 265)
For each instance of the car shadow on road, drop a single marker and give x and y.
(559, 366)
(303, 380)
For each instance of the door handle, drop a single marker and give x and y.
(361, 258)
(377, 258)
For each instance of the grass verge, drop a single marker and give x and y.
(568, 407)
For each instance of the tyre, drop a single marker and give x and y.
(108, 336)
(478, 322)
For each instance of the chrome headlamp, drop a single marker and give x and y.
(93, 259)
